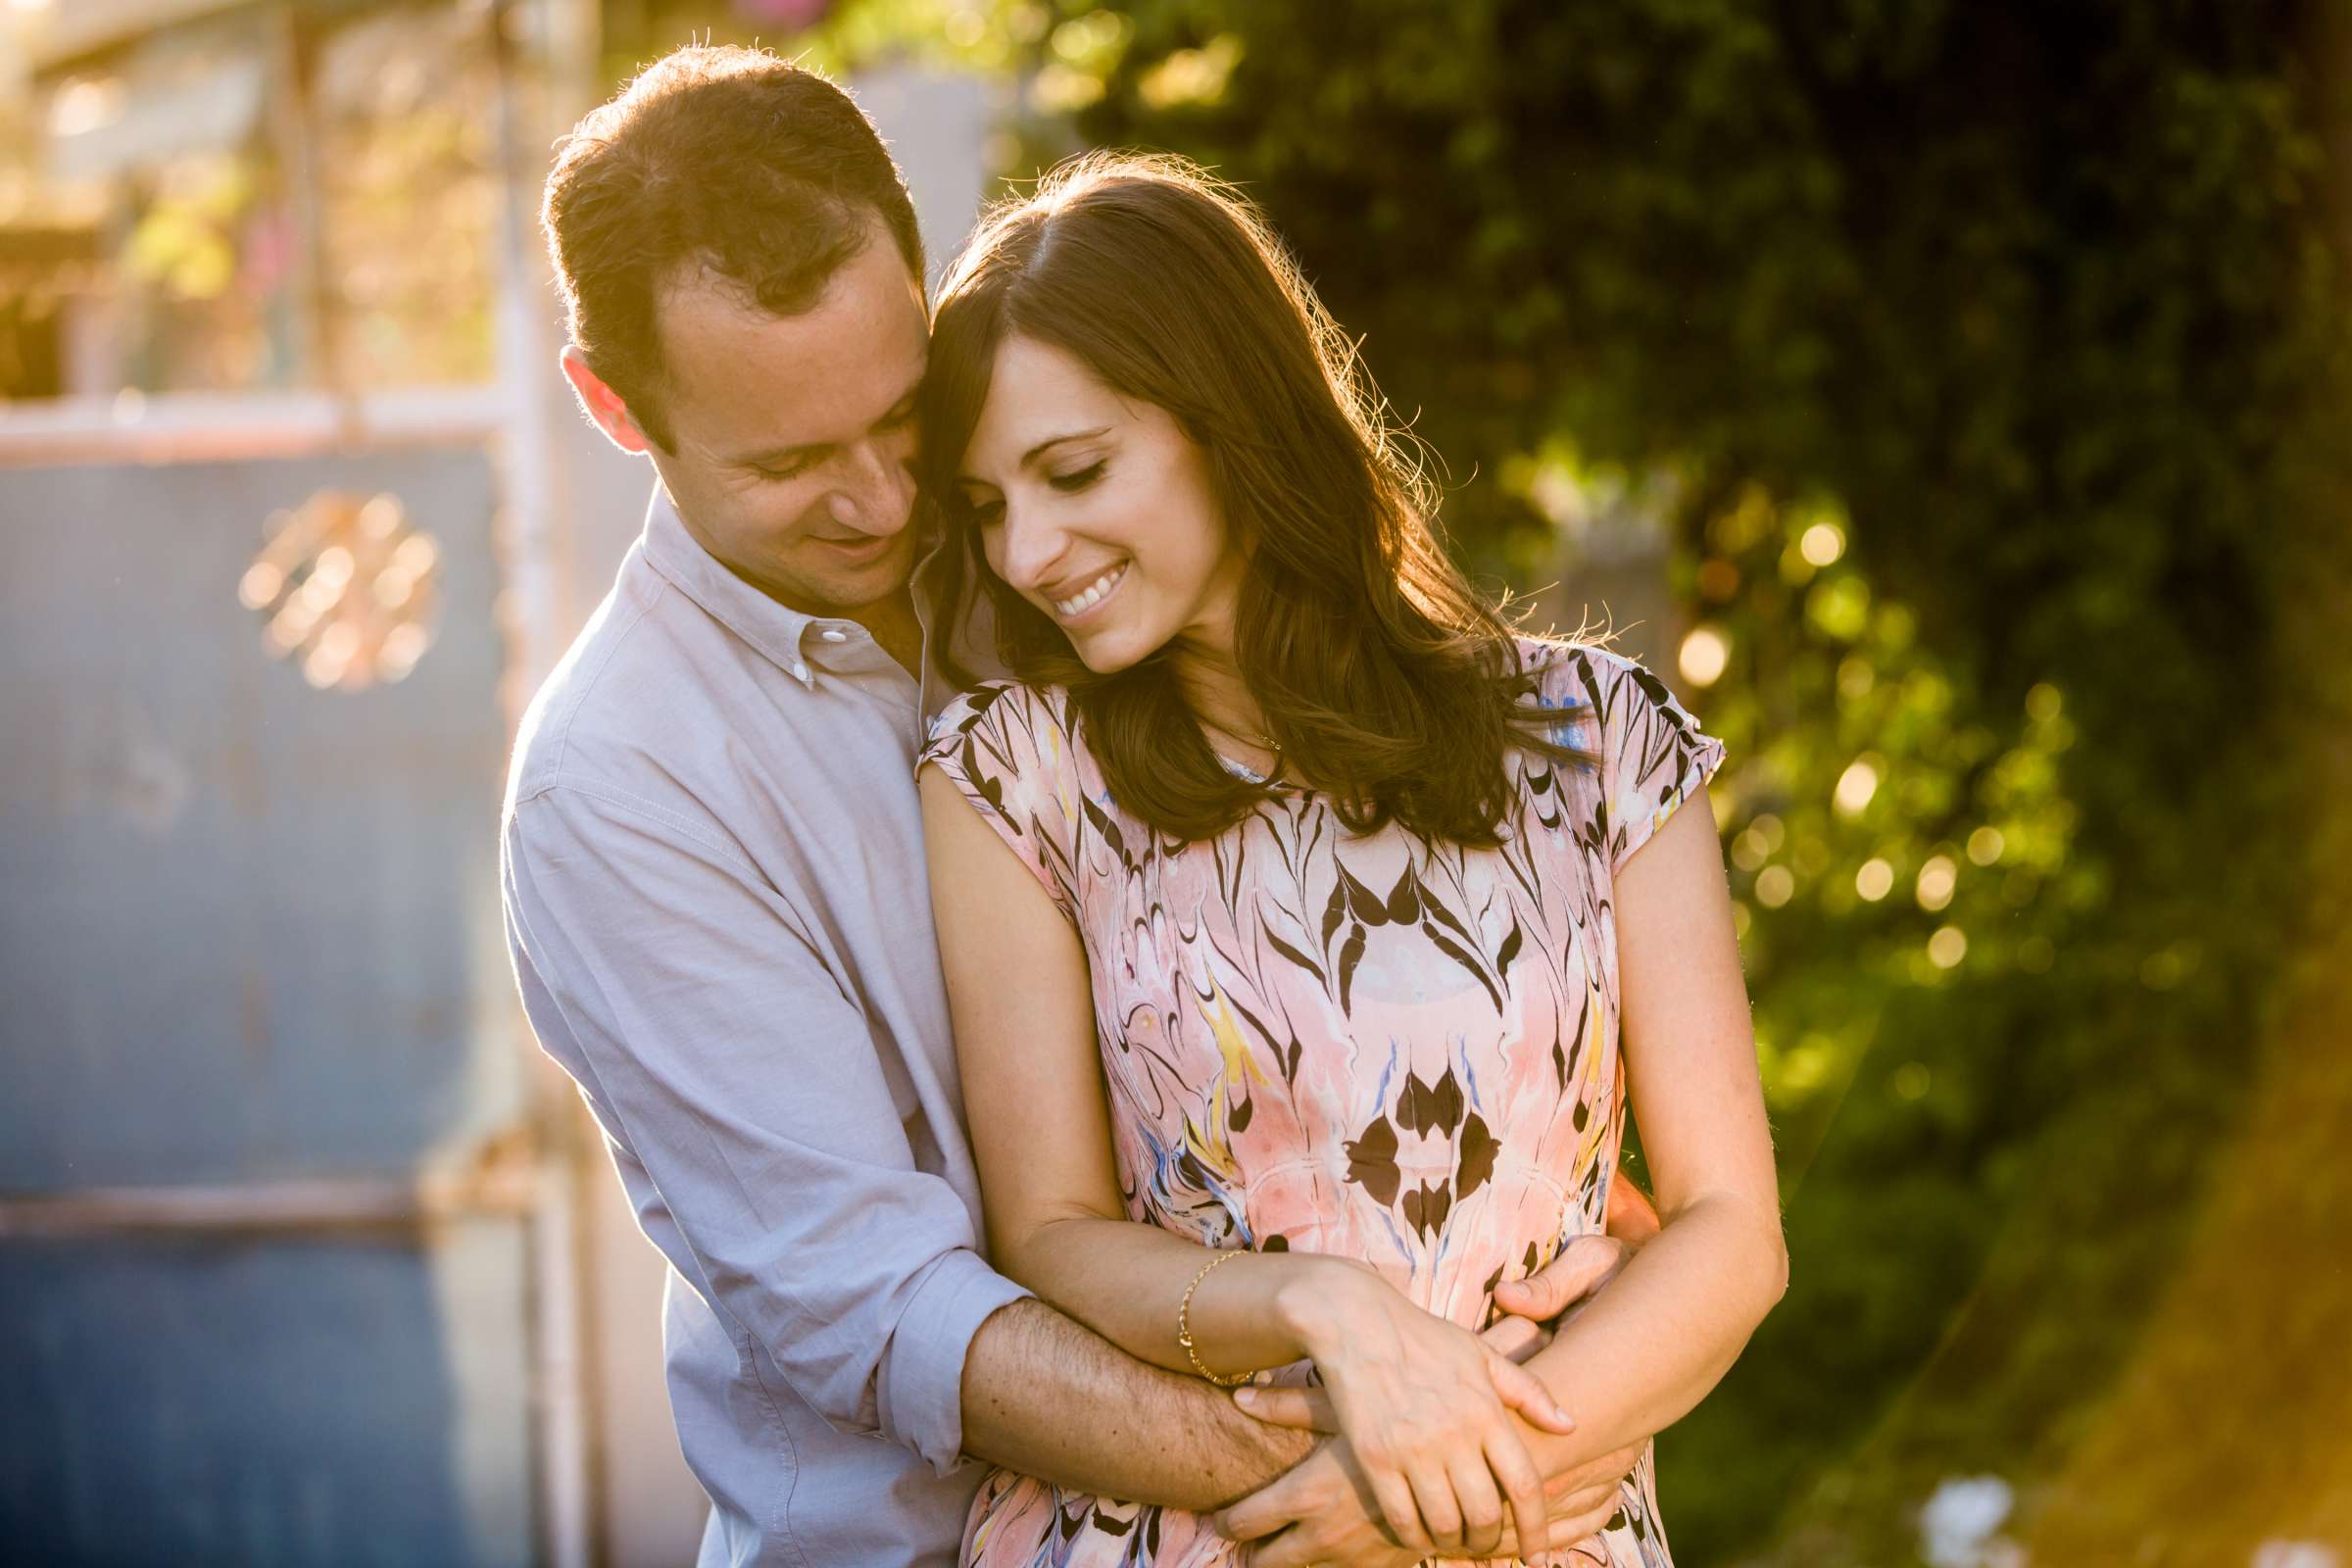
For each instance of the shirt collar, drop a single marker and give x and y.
(773, 629)
(779, 632)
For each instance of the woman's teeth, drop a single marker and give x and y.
(1080, 603)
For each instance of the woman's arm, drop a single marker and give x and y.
(1022, 1002)
(1647, 1349)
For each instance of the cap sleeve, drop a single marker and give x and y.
(1653, 755)
(1006, 749)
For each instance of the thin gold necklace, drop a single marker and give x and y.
(1264, 743)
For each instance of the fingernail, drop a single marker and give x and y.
(1245, 1394)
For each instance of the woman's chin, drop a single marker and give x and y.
(1108, 651)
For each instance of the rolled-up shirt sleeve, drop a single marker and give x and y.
(692, 1002)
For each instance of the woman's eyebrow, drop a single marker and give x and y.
(1049, 443)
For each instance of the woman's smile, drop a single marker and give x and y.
(1081, 605)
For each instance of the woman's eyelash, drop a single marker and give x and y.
(1078, 480)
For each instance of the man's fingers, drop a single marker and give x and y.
(1403, 1514)
(1525, 1393)
(1306, 1410)
(1433, 1490)
(1524, 1485)
(1293, 1549)
(1482, 1503)
(1584, 1265)
(1515, 1339)
(1261, 1513)
(1591, 1522)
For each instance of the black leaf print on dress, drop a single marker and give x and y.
(1101, 822)
(1656, 690)
(1510, 947)
(1476, 1161)
(1293, 953)
(1404, 899)
(1438, 940)
(1430, 1107)
(1426, 1208)
(1351, 954)
(1445, 917)
(1362, 902)
(1372, 1162)
(987, 786)
(1333, 912)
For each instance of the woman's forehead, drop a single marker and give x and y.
(1037, 392)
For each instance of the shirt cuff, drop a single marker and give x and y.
(921, 1388)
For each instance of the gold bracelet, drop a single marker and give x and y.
(1183, 1324)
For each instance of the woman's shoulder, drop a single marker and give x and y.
(1578, 672)
(1005, 713)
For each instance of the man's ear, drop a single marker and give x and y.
(603, 405)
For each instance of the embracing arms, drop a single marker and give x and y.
(743, 1092)
(1043, 1140)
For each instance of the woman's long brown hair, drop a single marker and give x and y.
(1387, 682)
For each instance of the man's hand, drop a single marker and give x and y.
(1324, 1512)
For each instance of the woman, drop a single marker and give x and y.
(1291, 906)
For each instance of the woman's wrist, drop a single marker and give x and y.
(1313, 1296)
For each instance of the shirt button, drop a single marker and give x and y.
(800, 671)
(834, 634)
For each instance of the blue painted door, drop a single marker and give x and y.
(251, 983)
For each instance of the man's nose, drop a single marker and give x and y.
(878, 495)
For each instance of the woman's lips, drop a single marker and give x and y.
(1093, 595)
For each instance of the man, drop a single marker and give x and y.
(715, 878)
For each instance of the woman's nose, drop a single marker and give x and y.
(1028, 550)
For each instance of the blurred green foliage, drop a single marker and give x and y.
(1986, 357)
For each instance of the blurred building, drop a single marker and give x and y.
(305, 1254)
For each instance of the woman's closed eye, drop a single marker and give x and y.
(1078, 478)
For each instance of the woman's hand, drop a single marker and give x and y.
(1323, 1512)
(1426, 1407)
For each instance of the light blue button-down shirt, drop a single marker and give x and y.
(718, 907)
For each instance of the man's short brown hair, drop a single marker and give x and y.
(719, 161)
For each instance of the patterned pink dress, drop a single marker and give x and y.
(1378, 1047)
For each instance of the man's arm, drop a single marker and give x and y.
(688, 998)
(1050, 1398)
(683, 995)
